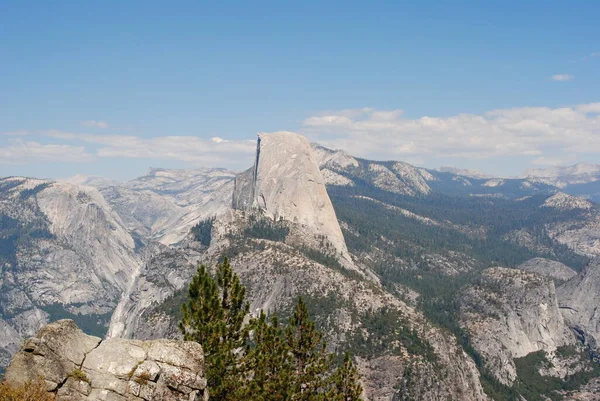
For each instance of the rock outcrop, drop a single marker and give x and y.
(76, 366)
(582, 236)
(510, 313)
(286, 183)
(564, 201)
(579, 299)
(548, 268)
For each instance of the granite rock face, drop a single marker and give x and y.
(286, 183)
(65, 252)
(548, 268)
(510, 313)
(164, 204)
(76, 366)
(579, 299)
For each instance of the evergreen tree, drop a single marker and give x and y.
(308, 349)
(214, 317)
(268, 361)
(345, 382)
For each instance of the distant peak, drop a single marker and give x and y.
(464, 172)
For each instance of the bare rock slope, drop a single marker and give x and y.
(286, 183)
(510, 313)
(579, 299)
(164, 204)
(76, 366)
(64, 252)
(548, 268)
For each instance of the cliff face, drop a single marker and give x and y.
(286, 183)
(510, 313)
(549, 268)
(65, 252)
(579, 299)
(76, 366)
(164, 204)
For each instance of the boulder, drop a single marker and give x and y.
(77, 366)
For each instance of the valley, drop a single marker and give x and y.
(443, 284)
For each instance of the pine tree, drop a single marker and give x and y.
(214, 317)
(308, 349)
(345, 382)
(268, 361)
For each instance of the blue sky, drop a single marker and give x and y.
(110, 88)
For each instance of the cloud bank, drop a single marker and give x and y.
(527, 131)
(527, 135)
(19, 151)
(192, 150)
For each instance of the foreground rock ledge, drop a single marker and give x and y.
(76, 366)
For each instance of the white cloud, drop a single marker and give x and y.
(194, 150)
(22, 152)
(525, 132)
(15, 133)
(95, 124)
(562, 77)
(589, 108)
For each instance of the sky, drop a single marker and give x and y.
(112, 88)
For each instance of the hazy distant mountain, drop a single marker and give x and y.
(581, 179)
(464, 172)
(90, 180)
(561, 177)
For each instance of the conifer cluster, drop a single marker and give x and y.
(262, 360)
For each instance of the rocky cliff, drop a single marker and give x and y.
(286, 183)
(164, 204)
(549, 268)
(579, 299)
(509, 314)
(65, 252)
(76, 366)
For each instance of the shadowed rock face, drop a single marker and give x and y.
(579, 299)
(286, 183)
(81, 367)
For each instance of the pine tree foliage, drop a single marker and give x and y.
(345, 382)
(308, 349)
(268, 362)
(214, 317)
(261, 360)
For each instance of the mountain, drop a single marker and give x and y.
(164, 204)
(578, 299)
(64, 253)
(286, 183)
(413, 270)
(549, 268)
(341, 169)
(582, 173)
(465, 172)
(510, 314)
(581, 179)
